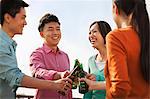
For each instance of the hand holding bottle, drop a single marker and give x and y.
(89, 82)
(63, 85)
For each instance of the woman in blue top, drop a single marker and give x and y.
(97, 33)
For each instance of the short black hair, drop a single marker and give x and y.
(12, 7)
(47, 18)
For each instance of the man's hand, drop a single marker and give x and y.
(63, 84)
(60, 75)
(64, 74)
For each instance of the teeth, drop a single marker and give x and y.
(92, 39)
(92, 42)
(55, 37)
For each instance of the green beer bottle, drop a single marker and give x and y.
(75, 77)
(83, 87)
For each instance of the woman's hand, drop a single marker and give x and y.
(91, 77)
(89, 82)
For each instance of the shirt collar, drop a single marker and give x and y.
(48, 49)
(5, 36)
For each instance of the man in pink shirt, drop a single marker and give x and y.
(49, 62)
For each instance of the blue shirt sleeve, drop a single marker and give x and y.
(9, 72)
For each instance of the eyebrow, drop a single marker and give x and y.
(52, 27)
(56, 26)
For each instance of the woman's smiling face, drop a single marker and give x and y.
(95, 36)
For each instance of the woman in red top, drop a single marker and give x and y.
(127, 69)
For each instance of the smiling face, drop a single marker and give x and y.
(95, 36)
(51, 34)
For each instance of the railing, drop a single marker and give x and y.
(28, 93)
(20, 96)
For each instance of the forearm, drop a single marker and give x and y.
(38, 67)
(98, 85)
(30, 82)
(45, 74)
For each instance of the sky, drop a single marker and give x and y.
(75, 17)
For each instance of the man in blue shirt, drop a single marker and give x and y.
(12, 21)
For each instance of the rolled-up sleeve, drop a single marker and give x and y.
(9, 71)
(117, 67)
(38, 67)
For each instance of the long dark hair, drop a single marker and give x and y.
(140, 22)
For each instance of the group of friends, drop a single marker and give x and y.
(120, 69)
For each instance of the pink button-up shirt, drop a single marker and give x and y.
(44, 64)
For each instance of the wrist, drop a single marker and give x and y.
(57, 76)
(53, 85)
